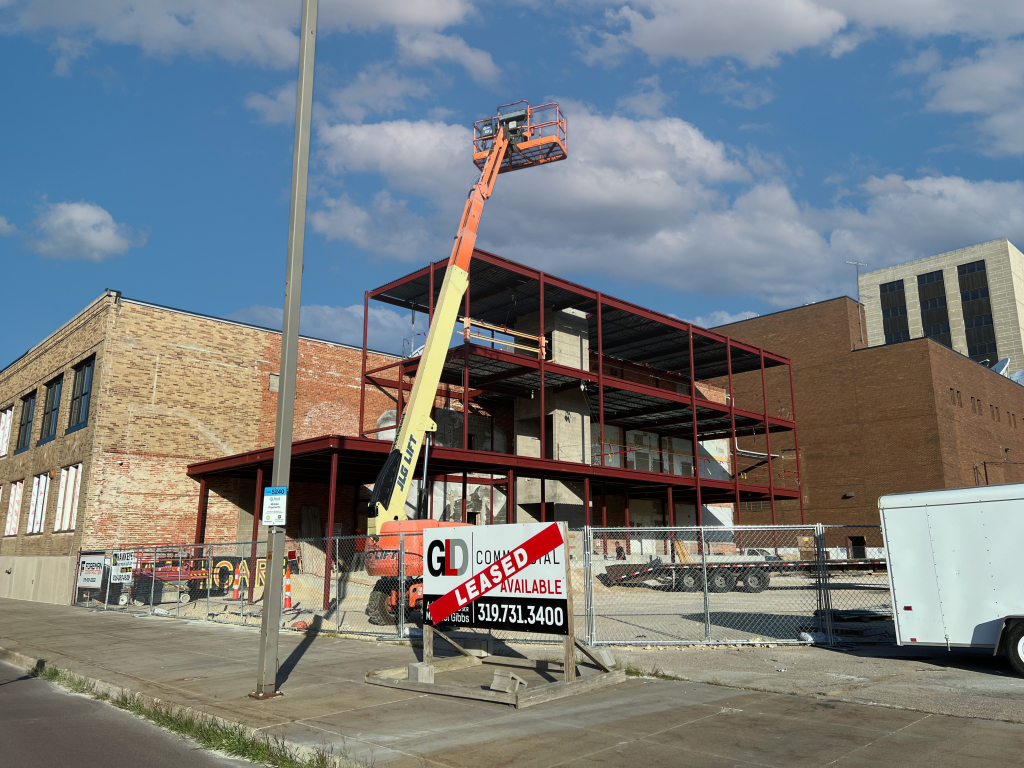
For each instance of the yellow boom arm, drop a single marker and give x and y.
(391, 489)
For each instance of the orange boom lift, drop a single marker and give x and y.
(519, 136)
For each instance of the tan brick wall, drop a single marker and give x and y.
(170, 389)
(75, 341)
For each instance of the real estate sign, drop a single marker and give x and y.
(496, 577)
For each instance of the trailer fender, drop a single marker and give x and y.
(1008, 623)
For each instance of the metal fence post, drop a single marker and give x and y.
(177, 609)
(106, 597)
(401, 586)
(588, 587)
(824, 592)
(209, 580)
(704, 569)
(152, 585)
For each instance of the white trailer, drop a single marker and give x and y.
(955, 568)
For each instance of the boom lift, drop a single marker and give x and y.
(517, 137)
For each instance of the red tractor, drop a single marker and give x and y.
(382, 557)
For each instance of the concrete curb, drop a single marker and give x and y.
(30, 663)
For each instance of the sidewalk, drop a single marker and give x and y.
(651, 722)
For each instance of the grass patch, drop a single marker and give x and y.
(203, 729)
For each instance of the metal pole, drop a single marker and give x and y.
(707, 601)
(209, 580)
(401, 586)
(266, 680)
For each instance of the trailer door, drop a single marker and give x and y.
(978, 568)
(912, 576)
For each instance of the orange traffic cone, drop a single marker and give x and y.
(238, 581)
(288, 587)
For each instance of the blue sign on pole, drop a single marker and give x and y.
(275, 504)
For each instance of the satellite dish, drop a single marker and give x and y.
(1018, 377)
(1002, 366)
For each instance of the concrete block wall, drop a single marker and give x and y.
(1004, 265)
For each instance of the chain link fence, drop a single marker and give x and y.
(649, 586)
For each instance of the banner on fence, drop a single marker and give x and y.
(508, 577)
(90, 571)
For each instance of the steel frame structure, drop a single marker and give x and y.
(470, 373)
(478, 373)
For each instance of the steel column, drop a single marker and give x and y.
(696, 444)
(201, 513)
(732, 426)
(541, 338)
(600, 379)
(465, 378)
(768, 440)
(332, 498)
(257, 509)
(362, 376)
(796, 442)
(586, 501)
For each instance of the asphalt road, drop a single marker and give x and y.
(42, 725)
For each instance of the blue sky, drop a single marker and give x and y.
(726, 156)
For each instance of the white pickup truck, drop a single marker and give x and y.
(955, 570)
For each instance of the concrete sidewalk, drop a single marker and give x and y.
(653, 722)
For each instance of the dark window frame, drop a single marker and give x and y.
(28, 406)
(81, 395)
(51, 409)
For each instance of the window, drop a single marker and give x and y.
(894, 312)
(981, 334)
(14, 509)
(959, 400)
(972, 406)
(6, 417)
(51, 406)
(931, 289)
(992, 411)
(28, 409)
(80, 392)
(37, 507)
(67, 498)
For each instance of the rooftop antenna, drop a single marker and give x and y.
(857, 265)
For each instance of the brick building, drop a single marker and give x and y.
(99, 421)
(892, 418)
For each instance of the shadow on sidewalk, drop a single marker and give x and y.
(293, 658)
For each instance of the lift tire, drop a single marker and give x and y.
(721, 580)
(377, 606)
(690, 580)
(184, 597)
(1015, 647)
(755, 580)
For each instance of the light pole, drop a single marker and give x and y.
(857, 265)
(266, 681)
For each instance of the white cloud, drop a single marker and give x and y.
(990, 85)
(260, 32)
(387, 228)
(721, 317)
(647, 99)
(426, 47)
(81, 231)
(758, 32)
(276, 108)
(753, 31)
(378, 89)
(67, 50)
(733, 91)
(655, 201)
(6, 228)
(386, 328)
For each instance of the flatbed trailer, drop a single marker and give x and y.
(741, 574)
